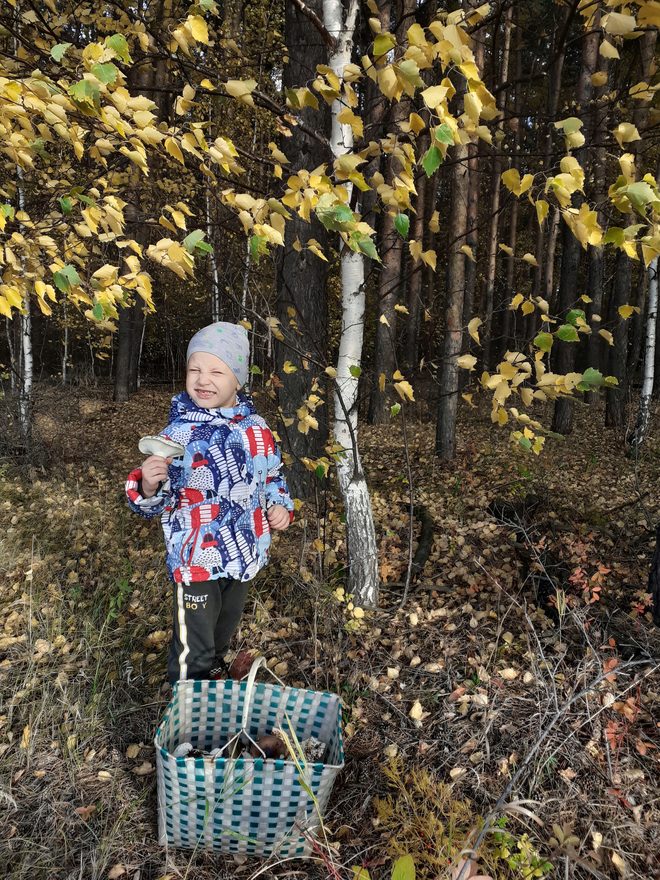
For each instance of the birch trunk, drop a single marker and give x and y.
(360, 531)
(643, 415)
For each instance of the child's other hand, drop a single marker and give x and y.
(154, 472)
(278, 517)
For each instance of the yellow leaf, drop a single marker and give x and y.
(25, 738)
(174, 150)
(241, 90)
(466, 362)
(527, 307)
(607, 336)
(542, 208)
(330, 371)
(198, 28)
(626, 311)
(404, 390)
(607, 50)
(207, 84)
(467, 250)
(511, 179)
(416, 712)
(468, 399)
(515, 302)
(619, 863)
(619, 25)
(429, 257)
(288, 367)
(507, 250)
(399, 308)
(626, 132)
(473, 328)
(381, 382)
(434, 96)
(415, 248)
(179, 219)
(383, 320)
(434, 223)
(599, 78)
(531, 259)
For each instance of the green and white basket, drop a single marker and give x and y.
(244, 805)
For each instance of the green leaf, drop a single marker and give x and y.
(590, 379)
(86, 92)
(97, 311)
(256, 371)
(70, 274)
(544, 341)
(614, 235)
(59, 50)
(567, 333)
(431, 160)
(383, 43)
(402, 224)
(355, 371)
(573, 315)
(320, 472)
(204, 246)
(258, 246)
(61, 282)
(117, 43)
(7, 211)
(66, 205)
(395, 409)
(443, 134)
(334, 217)
(404, 868)
(525, 442)
(107, 73)
(193, 238)
(361, 242)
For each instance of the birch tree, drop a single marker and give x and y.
(360, 530)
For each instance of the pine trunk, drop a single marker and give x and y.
(445, 437)
(301, 276)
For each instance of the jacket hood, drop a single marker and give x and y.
(184, 408)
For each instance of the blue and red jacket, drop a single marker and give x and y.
(213, 504)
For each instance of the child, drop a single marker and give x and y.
(219, 502)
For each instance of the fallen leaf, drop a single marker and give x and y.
(86, 812)
(144, 769)
(117, 871)
(416, 712)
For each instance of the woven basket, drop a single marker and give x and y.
(244, 805)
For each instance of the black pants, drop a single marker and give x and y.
(206, 616)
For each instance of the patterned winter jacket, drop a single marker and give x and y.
(214, 502)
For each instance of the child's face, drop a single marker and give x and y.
(210, 382)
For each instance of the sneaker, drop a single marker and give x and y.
(220, 672)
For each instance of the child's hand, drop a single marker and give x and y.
(154, 472)
(278, 517)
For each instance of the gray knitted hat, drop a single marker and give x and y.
(229, 342)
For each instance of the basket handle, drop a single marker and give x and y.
(249, 688)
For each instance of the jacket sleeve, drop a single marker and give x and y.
(146, 507)
(276, 489)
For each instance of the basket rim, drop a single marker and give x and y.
(214, 684)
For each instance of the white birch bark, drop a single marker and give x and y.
(644, 413)
(360, 531)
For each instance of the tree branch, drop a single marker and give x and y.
(328, 39)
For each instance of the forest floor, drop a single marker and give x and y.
(470, 709)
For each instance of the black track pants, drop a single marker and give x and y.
(206, 616)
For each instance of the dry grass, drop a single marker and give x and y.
(521, 722)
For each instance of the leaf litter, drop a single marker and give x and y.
(472, 686)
